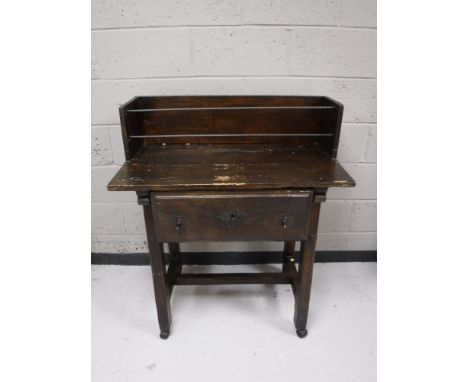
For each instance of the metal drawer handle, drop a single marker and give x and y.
(178, 222)
(285, 221)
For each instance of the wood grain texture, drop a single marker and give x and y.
(165, 102)
(234, 167)
(231, 119)
(230, 216)
(231, 168)
(161, 283)
(235, 278)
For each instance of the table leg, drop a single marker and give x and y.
(175, 264)
(158, 268)
(288, 254)
(306, 266)
(175, 257)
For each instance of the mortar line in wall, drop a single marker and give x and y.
(245, 26)
(191, 52)
(288, 58)
(241, 13)
(119, 234)
(340, 14)
(110, 165)
(119, 203)
(110, 143)
(202, 77)
(346, 232)
(353, 163)
(351, 215)
(370, 132)
(127, 232)
(359, 123)
(111, 202)
(353, 200)
(359, 163)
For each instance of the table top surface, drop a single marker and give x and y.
(211, 167)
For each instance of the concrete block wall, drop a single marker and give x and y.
(283, 47)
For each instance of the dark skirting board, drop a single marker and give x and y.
(233, 258)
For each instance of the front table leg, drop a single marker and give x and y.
(306, 266)
(158, 268)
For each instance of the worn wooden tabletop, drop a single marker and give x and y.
(179, 167)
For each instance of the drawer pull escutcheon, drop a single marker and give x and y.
(285, 221)
(229, 217)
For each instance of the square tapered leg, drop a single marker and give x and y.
(175, 264)
(306, 266)
(288, 255)
(158, 268)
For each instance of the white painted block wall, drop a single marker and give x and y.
(282, 47)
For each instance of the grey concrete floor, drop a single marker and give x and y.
(234, 332)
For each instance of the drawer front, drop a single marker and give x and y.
(236, 216)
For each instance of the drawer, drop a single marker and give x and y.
(231, 216)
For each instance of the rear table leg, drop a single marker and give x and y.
(288, 254)
(288, 260)
(175, 264)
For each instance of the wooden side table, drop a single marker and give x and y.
(230, 168)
